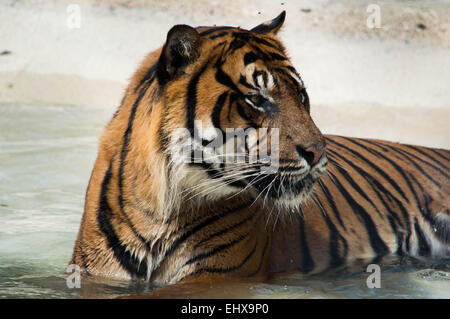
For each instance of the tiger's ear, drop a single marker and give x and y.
(271, 26)
(182, 47)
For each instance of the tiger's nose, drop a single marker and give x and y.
(311, 154)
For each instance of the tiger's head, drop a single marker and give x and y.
(237, 115)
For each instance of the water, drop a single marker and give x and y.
(46, 156)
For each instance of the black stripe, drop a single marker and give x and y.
(277, 57)
(243, 81)
(255, 77)
(217, 249)
(437, 153)
(426, 213)
(182, 228)
(289, 168)
(370, 179)
(206, 32)
(292, 80)
(191, 99)
(381, 191)
(286, 160)
(307, 263)
(376, 242)
(293, 70)
(373, 165)
(275, 45)
(123, 155)
(235, 44)
(424, 248)
(181, 239)
(242, 113)
(219, 35)
(265, 57)
(233, 97)
(227, 269)
(404, 153)
(429, 164)
(355, 186)
(336, 259)
(215, 115)
(250, 57)
(399, 239)
(408, 181)
(147, 79)
(219, 44)
(130, 263)
(223, 78)
(261, 259)
(376, 153)
(418, 150)
(331, 202)
(225, 230)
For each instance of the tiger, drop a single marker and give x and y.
(158, 214)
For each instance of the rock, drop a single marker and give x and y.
(421, 26)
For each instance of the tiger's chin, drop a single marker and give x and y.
(286, 193)
(289, 191)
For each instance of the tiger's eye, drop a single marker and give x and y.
(304, 98)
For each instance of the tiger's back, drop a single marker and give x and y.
(378, 198)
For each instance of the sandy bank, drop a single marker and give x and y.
(388, 83)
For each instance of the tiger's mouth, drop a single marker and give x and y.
(277, 185)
